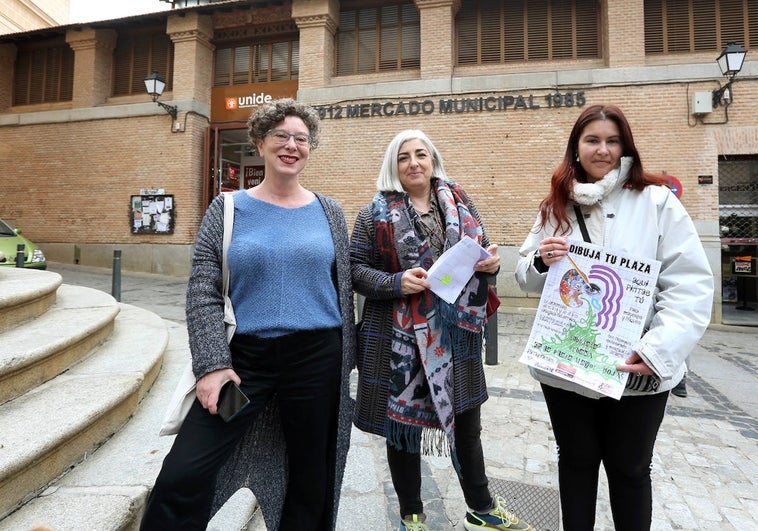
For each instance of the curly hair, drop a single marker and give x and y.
(268, 114)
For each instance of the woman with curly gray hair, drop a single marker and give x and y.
(291, 353)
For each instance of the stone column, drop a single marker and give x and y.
(193, 56)
(7, 58)
(624, 37)
(317, 21)
(437, 36)
(93, 65)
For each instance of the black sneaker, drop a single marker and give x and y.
(680, 389)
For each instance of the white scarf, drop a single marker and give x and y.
(591, 193)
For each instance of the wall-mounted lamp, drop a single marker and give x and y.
(155, 84)
(730, 62)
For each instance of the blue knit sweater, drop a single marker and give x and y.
(281, 262)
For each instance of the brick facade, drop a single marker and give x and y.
(70, 168)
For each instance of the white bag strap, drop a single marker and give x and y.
(228, 227)
(229, 319)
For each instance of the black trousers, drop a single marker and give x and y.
(405, 468)
(620, 434)
(303, 370)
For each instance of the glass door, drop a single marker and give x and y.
(233, 164)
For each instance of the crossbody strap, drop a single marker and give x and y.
(582, 226)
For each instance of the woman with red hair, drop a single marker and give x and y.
(601, 187)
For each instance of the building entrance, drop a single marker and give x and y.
(738, 219)
(233, 163)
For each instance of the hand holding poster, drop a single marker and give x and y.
(592, 310)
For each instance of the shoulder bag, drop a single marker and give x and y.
(184, 394)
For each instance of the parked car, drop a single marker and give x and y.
(9, 240)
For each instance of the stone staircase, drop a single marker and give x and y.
(84, 382)
(74, 366)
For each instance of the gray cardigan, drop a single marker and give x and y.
(259, 461)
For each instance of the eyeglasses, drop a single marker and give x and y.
(281, 137)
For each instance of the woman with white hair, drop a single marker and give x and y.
(421, 380)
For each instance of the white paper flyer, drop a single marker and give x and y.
(592, 310)
(454, 268)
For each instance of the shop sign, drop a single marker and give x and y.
(235, 103)
(252, 171)
(483, 104)
(742, 265)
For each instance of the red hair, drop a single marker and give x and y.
(561, 184)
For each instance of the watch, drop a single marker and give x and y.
(539, 264)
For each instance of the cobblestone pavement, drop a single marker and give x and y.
(705, 466)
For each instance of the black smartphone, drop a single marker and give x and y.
(231, 401)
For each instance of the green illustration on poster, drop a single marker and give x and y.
(578, 348)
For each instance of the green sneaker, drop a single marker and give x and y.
(413, 522)
(497, 518)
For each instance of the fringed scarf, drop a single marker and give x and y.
(428, 333)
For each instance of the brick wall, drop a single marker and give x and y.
(624, 32)
(72, 182)
(67, 178)
(78, 176)
(505, 158)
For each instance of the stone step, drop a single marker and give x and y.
(39, 349)
(25, 294)
(107, 490)
(53, 426)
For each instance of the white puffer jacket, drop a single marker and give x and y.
(650, 223)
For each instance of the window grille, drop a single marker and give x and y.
(257, 63)
(738, 199)
(503, 31)
(738, 220)
(137, 54)
(685, 26)
(381, 38)
(44, 73)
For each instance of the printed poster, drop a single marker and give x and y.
(592, 310)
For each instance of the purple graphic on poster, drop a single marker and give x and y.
(612, 290)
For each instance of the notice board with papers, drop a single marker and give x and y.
(152, 214)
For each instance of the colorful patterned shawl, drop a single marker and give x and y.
(427, 332)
